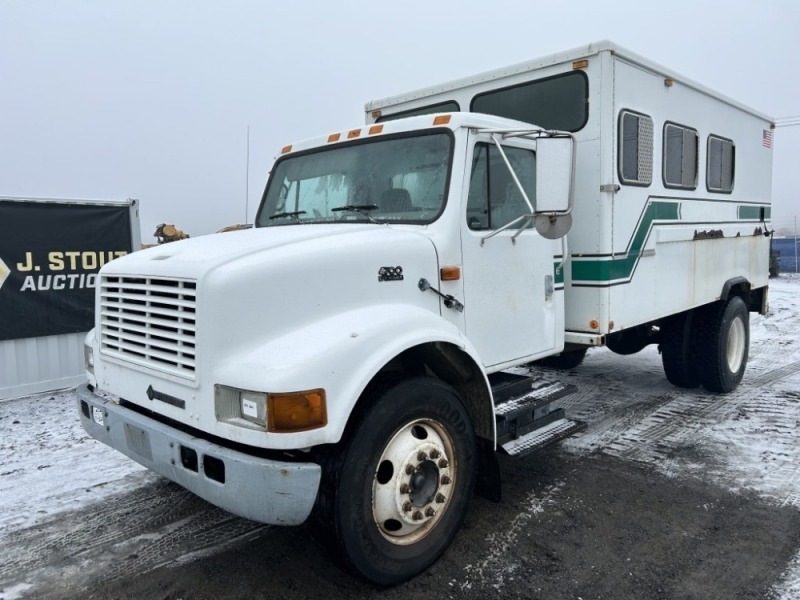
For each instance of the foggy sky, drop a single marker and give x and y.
(152, 99)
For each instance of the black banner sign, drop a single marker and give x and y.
(50, 254)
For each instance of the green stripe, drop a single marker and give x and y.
(558, 274)
(752, 212)
(608, 269)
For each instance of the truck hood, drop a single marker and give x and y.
(192, 258)
(255, 286)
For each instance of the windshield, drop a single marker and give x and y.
(397, 180)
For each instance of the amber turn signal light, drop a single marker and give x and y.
(296, 411)
(450, 273)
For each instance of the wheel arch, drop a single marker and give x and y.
(345, 354)
(447, 362)
(736, 286)
(754, 298)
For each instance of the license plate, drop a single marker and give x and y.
(138, 441)
(97, 415)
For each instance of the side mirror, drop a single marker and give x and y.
(554, 171)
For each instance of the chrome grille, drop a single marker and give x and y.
(149, 321)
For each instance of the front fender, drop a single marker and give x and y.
(340, 354)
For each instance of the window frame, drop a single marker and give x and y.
(683, 128)
(491, 148)
(620, 141)
(362, 141)
(430, 109)
(708, 164)
(535, 81)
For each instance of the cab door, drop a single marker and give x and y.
(509, 308)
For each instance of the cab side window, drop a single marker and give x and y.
(494, 198)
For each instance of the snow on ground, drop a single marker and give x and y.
(744, 440)
(48, 464)
(747, 440)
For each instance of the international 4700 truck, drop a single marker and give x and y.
(347, 359)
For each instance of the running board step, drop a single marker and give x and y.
(530, 410)
(524, 418)
(543, 436)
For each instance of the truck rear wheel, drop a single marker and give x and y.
(677, 350)
(395, 494)
(723, 346)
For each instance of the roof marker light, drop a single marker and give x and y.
(580, 64)
(334, 137)
(286, 149)
(442, 119)
(353, 133)
(375, 129)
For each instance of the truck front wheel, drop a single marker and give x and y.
(395, 494)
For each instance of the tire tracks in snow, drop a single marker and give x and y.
(694, 431)
(123, 536)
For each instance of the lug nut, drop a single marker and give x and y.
(407, 507)
(435, 454)
(443, 463)
(417, 516)
(429, 512)
(445, 480)
(440, 498)
(404, 488)
(410, 469)
(421, 456)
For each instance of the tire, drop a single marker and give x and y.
(394, 495)
(723, 346)
(565, 360)
(677, 349)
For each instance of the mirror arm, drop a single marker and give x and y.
(513, 174)
(528, 221)
(563, 253)
(508, 225)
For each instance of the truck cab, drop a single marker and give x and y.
(394, 261)
(444, 179)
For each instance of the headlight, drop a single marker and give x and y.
(278, 413)
(254, 407)
(241, 407)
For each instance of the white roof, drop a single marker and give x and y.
(457, 119)
(553, 59)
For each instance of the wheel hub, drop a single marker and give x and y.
(411, 489)
(737, 339)
(424, 483)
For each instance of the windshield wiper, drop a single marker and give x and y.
(359, 208)
(295, 214)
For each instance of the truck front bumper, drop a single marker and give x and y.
(264, 490)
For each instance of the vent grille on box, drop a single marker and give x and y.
(149, 321)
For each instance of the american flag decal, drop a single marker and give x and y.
(766, 138)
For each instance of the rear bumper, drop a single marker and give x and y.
(264, 490)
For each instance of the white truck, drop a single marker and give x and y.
(347, 360)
